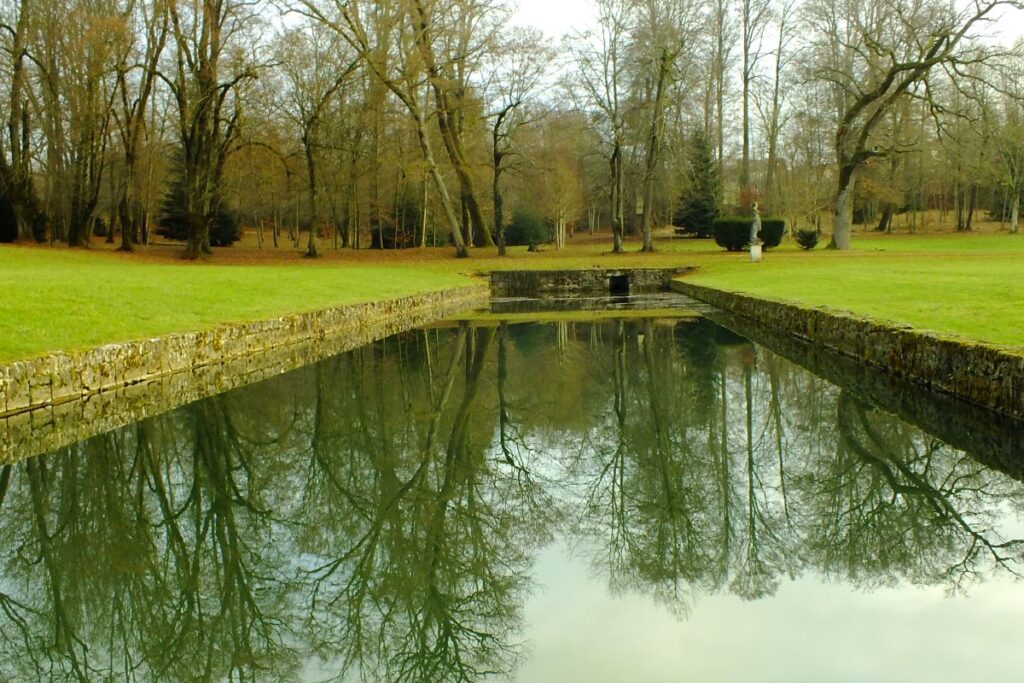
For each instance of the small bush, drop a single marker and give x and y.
(732, 232)
(526, 227)
(772, 230)
(807, 239)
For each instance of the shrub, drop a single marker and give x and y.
(771, 233)
(732, 232)
(526, 227)
(807, 239)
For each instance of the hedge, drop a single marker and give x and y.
(733, 232)
(772, 230)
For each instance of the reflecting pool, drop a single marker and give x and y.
(632, 499)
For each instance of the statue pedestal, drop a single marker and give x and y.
(755, 253)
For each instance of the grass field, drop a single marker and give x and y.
(965, 286)
(54, 298)
(60, 299)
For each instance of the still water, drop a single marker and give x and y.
(621, 500)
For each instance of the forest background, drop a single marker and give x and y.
(435, 122)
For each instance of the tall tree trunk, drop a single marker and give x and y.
(307, 146)
(843, 226)
(616, 197)
(423, 137)
(447, 125)
(958, 206)
(770, 189)
(1014, 210)
(665, 60)
(720, 67)
(885, 222)
(115, 216)
(499, 203)
(749, 25)
(972, 198)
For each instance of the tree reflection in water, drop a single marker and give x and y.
(376, 516)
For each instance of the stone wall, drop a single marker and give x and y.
(49, 402)
(985, 375)
(547, 283)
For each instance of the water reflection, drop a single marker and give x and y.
(377, 516)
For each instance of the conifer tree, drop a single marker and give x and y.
(699, 205)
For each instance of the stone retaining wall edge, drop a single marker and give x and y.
(983, 374)
(61, 377)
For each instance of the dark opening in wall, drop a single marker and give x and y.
(618, 285)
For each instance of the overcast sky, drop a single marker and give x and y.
(555, 17)
(558, 17)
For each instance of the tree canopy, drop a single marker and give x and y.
(431, 120)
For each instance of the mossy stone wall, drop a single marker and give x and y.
(986, 375)
(546, 283)
(55, 400)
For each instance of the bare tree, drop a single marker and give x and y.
(721, 28)
(77, 92)
(315, 68)
(871, 55)
(136, 72)
(601, 61)
(754, 18)
(666, 28)
(770, 102)
(404, 79)
(516, 75)
(15, 161)
(445, 51)
(208, 64)
(1010, 140)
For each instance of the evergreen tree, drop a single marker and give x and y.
(698, 207)
(526, 227)
(224, 230)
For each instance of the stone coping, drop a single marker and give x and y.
(56, 400)
(985, 375)
(570, 282)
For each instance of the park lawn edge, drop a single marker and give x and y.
(714, 269)
(879, 321)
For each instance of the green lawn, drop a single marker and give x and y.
(60, 299)
(966, 285)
